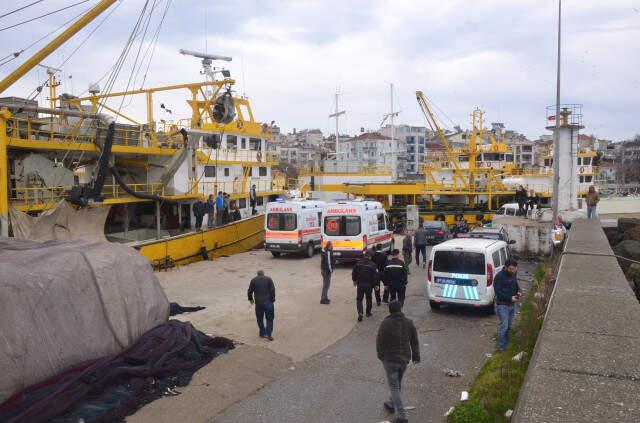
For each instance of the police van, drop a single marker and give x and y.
(461, 271)
(293, 226)
(355, 226)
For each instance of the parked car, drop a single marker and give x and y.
(437, 231)
(461, 271)
(488, 233)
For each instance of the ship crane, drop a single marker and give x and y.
(431, 120)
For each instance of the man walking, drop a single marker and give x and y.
(420, 241)
(507, 292)
(592, 202)
(397, 344)
(380, 260)
(219, 207)
(210, 210)
(407, 249)
(395, 277)
(253, 199)
(326, 268)
(365, 278)
(521, 198)
(262, 293)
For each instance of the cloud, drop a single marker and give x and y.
(290, 56)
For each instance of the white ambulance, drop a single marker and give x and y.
(355, 226)
(293, 226)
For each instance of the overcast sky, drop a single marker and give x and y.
(289, 57)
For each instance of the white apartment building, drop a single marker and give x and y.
(374, 149)
(413, 138)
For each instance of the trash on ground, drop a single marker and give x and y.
(464, 395)
(175, 308)
(508, 414)
(488, 355)
(452, 373)
(449, 411)
(519, 356)
(410, 407)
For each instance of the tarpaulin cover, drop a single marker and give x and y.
(61, 222)
(66, 302)
(110, 388)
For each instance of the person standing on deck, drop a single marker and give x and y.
(262, 293)
(219, 207)
(327, 263)
(521, 199)
(210, 209)
(225, 208)
(396, 344)
(198, 213)
(253, 200)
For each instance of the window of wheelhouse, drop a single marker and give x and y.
(254, 144)
(232, 142)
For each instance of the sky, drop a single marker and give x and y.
(291, 57)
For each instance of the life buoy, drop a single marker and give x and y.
(582, 169)
(9, 127)
(259, 156)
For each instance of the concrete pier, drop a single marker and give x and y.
(586, 366)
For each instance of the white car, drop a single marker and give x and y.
(461, 271)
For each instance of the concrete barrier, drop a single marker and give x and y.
(586, 363)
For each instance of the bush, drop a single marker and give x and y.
(470, 411)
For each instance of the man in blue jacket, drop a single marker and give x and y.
(507, 292)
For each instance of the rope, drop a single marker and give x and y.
(21, 8)
(42, 16)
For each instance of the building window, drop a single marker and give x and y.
(421, 140)
(232, 142)
(244, 143)
(262, 171)
(260, 201)
(254, 144)
(226, 171)
(210, 171)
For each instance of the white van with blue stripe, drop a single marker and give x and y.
(461, 271)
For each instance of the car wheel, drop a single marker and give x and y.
(275, 253)
(310, 250)
(434, 305)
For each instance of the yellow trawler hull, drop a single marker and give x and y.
(234, 238)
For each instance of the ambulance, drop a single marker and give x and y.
(293, 226)
(355, 226)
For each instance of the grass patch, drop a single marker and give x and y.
(497, 386)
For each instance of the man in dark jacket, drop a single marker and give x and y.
(521, 199)
(262, 293)
(380, 259)
(209, 209)
(420, 241)
(395, 277)
(199, 210)
(365, 278)
(326, 268)
(253, 199)
(397, 344)
(407, 249)
(507, 292)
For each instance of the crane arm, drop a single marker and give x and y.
(432, 120)
(45, 51)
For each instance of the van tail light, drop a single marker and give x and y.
(300, 237)
(364, 243)
(439, 232)
(429, 270)
(489, 274)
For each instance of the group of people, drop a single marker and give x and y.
(526, 201)
(221, 209)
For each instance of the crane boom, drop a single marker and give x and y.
(45, 51)
(432, 120)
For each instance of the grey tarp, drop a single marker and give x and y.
(64, 302)
(61, 222)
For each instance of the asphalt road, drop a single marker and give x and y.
(346, 383)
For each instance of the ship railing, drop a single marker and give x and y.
(86, 131)
(32, 196)
(531, 171)
(242, 187)
(210, 156)
(345, 168)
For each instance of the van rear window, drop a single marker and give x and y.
(281, 221)
(459, 262)
(342, 225)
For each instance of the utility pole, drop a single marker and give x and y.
(337, 115)
(391, 115)
(556, 137)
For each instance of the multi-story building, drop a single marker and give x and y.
(374, 149)
(414, 139)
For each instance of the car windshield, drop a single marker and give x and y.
(485, 235)
(464, 262)
(434, 224)
(342, 225)
(281, 221)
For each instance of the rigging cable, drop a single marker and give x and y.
(155, 38)
(42, 16)
(21, 8)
